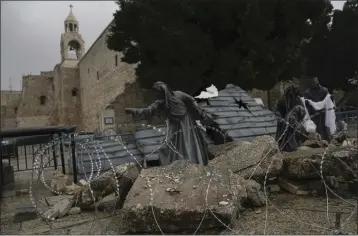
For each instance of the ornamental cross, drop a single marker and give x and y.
(71, 7)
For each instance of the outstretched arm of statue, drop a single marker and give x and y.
(145, 113)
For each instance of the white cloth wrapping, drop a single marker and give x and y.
(308, 124)
(328, 105)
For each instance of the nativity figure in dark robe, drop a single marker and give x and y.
(318, 94)
(290, 109)
(185, 140)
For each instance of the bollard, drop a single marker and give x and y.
(62, 155)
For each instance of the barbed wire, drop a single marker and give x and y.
(43, 158)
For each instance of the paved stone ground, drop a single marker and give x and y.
(289, 215)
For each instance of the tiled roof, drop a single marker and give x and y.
(240, 124)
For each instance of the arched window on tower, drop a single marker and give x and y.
(70, 26)
(15, 110)
(75, 28)
(66, 28)
(74, 50)
(43, 100)
(116, 60)
(74, 92)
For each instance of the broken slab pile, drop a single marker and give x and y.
(310, 171)
(185, 198)
(107, 191)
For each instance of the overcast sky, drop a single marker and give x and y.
(31, 31)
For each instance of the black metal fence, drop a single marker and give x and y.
(347, 116)
(20, 146)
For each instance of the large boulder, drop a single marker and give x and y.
(306, 164)
(249, 159)
(106, 184)
(184, 197)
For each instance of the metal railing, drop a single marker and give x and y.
(19, 147)
(347, 116)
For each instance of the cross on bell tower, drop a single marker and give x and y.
(72, 44)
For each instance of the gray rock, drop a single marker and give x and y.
(246, 159)
(109, 202)
(51, 213)
(302, 193)
(274, 188)
(290, 186)
(314, 136)
(254, 194)
(73, 189)
(306, 164)
(106, 184)
(82, 182)
(63, 207)
(332, 182)
(60, 209)
(302, 164)
(180, 194)
(55, 199)
(74, 211)
(59, 180)
(304, 148)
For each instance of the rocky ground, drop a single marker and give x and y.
(248, 188)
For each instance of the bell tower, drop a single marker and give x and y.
(72, 44)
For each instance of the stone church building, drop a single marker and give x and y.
(89, 89)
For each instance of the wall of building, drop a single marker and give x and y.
(31, 111)
(31, 121)
(133, 97)
(102, 81)
(10, 102)
(70, 101)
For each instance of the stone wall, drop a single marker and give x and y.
(37, 99)
(133, 97)
(103, 80)
(30, 121)
(70, 101)
(10, 102)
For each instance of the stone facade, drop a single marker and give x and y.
(10, 101)
(37, 100)
(107, 83)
